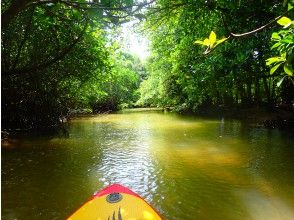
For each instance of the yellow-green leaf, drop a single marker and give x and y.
(280, 82)
(206, 42)
(221, 40)
(199, 42)
(276, 36)
(288, 69)
(276, 45)
(284, 21)
(274, 68)
(212, 38)
(272, 60)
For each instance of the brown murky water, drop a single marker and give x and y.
(186, 167)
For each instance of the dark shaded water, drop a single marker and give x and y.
(186, 167)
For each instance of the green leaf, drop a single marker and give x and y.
(283, 56)
(221, 40)
(288, 69)
(287, 41)
(276, 45)
(275, 36)
(207, 42)
(280, 82)
(212, 38)
(284, 21)
(199, 42)
(274, 68)
(272, 60)
(290, 6)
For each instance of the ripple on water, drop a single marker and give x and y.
(179, 164)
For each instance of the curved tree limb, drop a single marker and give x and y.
(257, 29)
(234, 35)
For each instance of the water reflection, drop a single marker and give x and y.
(261, 206)
(188, 168)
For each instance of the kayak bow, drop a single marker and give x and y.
(116, 202)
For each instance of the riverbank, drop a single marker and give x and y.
(277, 117)
(280, 118)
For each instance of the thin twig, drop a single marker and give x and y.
(257, 29)
(233, 35)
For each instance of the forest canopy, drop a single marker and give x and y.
(232, 71)
(61, 56)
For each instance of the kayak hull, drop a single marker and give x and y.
(116, 202)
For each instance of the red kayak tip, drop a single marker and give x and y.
(115, 188)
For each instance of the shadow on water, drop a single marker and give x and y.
(187, 167)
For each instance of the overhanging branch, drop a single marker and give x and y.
(17, 6)
(49, 62)
(233, 35)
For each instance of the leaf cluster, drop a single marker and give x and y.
(233, 74)
(56, 57)
(284, 45)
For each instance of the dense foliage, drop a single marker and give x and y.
(231, 72)
(57, 57)
(284, 44)
(61, 56)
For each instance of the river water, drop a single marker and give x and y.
(186, 167)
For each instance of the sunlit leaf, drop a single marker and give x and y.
(288, 69)
(283, 56)
(275, 36)
(290, 6)
(199, 42)
(221, 40)
(280, 82)
(207, 42)
(274, 68)
(276, 45)
(284, 21)
(272, 60)
(212, 38)
(287, 41)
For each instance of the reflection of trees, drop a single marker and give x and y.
(180, 164)
(47, 177)
(219, 170)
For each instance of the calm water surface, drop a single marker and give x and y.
(186, 167)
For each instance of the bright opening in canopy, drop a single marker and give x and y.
(133, 42)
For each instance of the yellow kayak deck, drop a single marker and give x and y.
(116, 202)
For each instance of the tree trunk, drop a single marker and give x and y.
(267, 90)
(248, 93)
(256, 91)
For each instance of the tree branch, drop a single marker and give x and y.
(90, 5)
(26, 34)
(49, 62)
(13, 10)
(18, 6)
(233, 35)
(257, 29)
